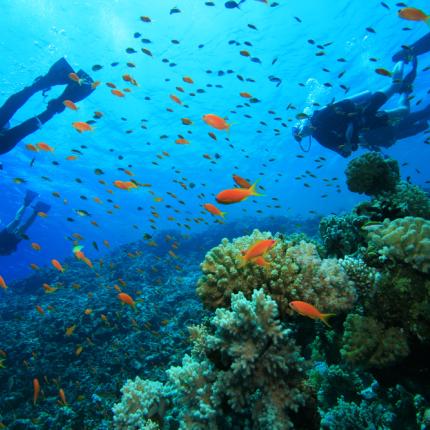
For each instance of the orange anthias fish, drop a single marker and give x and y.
(125, 185)
(413, 14)
(118, 93)
(36, 390)
(48, 289)
(383, 72)
(74, 77)
(36, 246)
(62, 396)
(44, 147)
(214, 210)
(310, 311)
(57, 265)
(81, 126)
(188, 80)
(175, 99)
(243, 183)
(3, 283)
(70, 104)
(236, 195)
(258, 249)
(125, 298)
(216, 121)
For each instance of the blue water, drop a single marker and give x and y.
(36, 33)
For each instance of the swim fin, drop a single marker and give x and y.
(29, 197)
(74, 92)
(58, 74)
(41, 207)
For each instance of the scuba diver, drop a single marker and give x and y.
(58, 74)
(357, 120)
(14, 232)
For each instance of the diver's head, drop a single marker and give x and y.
(302, 129)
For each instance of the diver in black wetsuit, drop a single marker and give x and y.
(357, 120)
(14, 232)
(58, 74)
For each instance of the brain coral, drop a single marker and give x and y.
(372, 174)
(295, 272)
(405, 239)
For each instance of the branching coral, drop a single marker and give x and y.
(372, 174)
(369, 343)
(405, 200)
(406, 240)
(342, 235)
(247, 373)
(296, 272)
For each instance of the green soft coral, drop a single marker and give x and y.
(368, 343)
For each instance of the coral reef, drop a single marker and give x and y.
(341, 234)
(367, 342)
(372, 174)
(296, 272)
(405, 200)
(405, 240)
(246, 372)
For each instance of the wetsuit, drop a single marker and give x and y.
(8, 242)
(331, 125)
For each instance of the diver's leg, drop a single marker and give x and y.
(407, 129)
(421, 46)
(402, 110)
(10, 138)
(423, 114)
(361, 98)
(23, 228)
(28, 199)
(57, 75)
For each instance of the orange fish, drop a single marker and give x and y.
(106, 243)
(70, 104)
(62, 396)
(110, 85)
(98, 114)
(81, 126)
(175, 99)
(383, 72)
(48, 289)
(88, 311)
(214, 210)
(260, 261)
(30, 147)
(95, 84)
(188, 80)
(42, 214)
(246, 95)
(34, 266)
(236, 195)
(243, 183)
(3, 283)
(74, 77)
(118, 93)
(245, 53)
(71, 157)
(216, 121)
(57, 265)
(413, 14)
(186, 121)
(310, 311)
(182, 141)
(257, 249)
(40, 310)
(125, 185)
(78, 351)
(44, 147)
(36, 390)
(125, 298)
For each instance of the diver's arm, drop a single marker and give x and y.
(421, 46)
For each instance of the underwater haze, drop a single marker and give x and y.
(101, 287)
